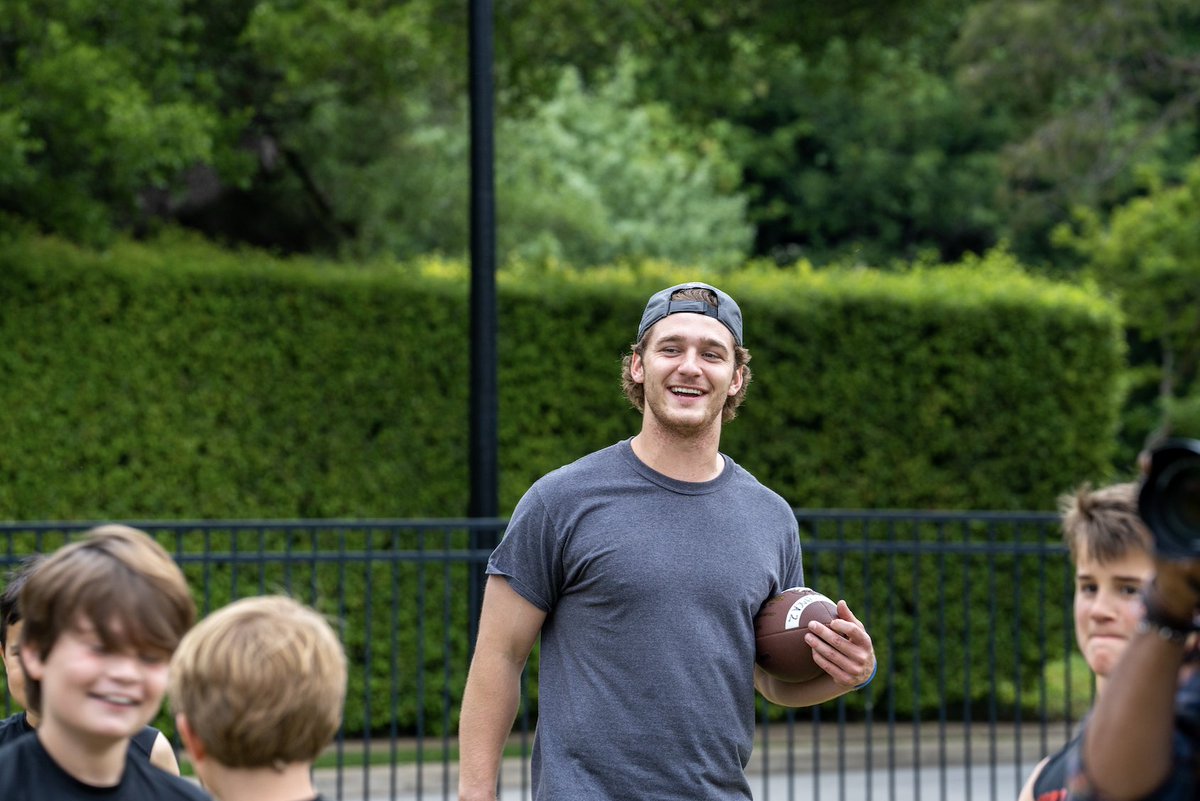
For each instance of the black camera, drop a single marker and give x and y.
(1169, 499)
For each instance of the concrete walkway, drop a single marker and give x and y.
(983, 763)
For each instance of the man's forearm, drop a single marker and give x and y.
(1138, 697)
(489, 707)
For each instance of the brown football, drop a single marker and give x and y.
(779, 629)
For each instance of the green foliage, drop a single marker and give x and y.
(1070, 689)
(249, 122)
(594, 177)
(191, 382)
(591, 176)
(100, 108)
(182, 380)
(400, 621)
(872, 131)
(350, 129)
(1183, 416)
(1096, 95)
(864, 151)
(693, 43)
(1148, 255)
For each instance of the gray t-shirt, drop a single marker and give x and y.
(646, 678)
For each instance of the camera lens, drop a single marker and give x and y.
(1169, 501)
(1180, 494)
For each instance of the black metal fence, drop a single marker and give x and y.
(970, 613)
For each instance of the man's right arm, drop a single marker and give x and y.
(508, 627)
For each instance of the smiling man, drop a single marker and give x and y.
(101, 617)
(641, 567)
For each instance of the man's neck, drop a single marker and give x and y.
(97, 761)
(693, 459)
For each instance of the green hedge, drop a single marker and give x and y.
(188, 382)
(185, 381)
(178, 380)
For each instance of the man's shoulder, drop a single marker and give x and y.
(613, 454)
(744, 480)
(594, 466)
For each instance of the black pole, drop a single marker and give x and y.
(484, 501)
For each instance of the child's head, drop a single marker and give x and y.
(260, 683)
(1103, 524)
(1113, 555)
(116, 592)
(10, 628)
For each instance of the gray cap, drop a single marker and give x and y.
(661, 305)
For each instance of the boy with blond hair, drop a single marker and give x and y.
(101, 617)
(257, 688)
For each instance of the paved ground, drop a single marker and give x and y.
(986, 763)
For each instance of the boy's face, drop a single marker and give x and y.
(12, 663)
(93, 691)
(1108, 606)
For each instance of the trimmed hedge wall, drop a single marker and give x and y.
(185, 381)
(177, 380)
(188, 382)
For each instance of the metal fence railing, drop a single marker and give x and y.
(970, 613)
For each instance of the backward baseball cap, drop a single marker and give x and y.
(660, 305)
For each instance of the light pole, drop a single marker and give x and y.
(484, 403)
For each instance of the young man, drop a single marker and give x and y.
(148, 743)
(257, 689)
(1113, 555)
(100, 619)
(641, 567)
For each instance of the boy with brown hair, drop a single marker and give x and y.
(149, 743)
(1113, 554)
(100, 619)
(257, 688)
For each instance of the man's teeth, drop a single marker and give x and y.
(685, 391)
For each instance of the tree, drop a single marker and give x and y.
(101, 109)
(866, 130)
(862, 152)
(333, 92)
(331, 126)
(1148, 252)
(1096, 92)
(589, 176)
